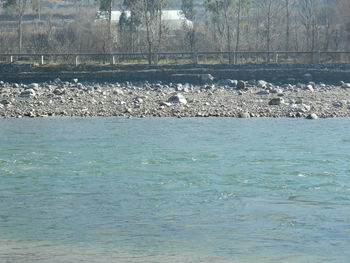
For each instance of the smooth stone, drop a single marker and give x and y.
(206, 78)
(309, 88)
(312, 116)
(244, 115)
(34, 86)
(5, 102)
(241, 85)
(345, 85)
(178, 98)
(263, 92)
(262, 84)
(28, 93)
(276, 101)
(227, 82)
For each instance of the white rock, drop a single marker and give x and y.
(28, 93)
(312, 116)
(206, 78)
(244, 115)
(178, 98)
(345, 85)
(309, 88)
(276, 101)
(118, 92)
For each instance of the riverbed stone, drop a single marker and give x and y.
(345, 85)
(206, 78)
(312, 116)
(276, 101)
(263, 92)
(241, 85)
(244, 115)
(5, 102)
(28, 93)
(309, 88)
(227, 82)
(34, 86)
(178, 98)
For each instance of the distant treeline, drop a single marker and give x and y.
(218, 25)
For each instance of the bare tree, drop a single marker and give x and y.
(106, 6)
(18, 8)
(152, 20)
(189, 12)
(241, 5)
(308, 13)
(270, 11)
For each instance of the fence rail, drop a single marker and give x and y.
(239, 57)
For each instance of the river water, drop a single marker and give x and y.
(174, 190)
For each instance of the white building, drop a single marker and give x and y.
(172, 19)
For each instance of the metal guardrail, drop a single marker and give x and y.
(231, 57)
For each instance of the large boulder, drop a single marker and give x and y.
(227, 82)
(28, 93)
(5, 102)
(177, 98)
(34, 86)
(276, 101)
(244, 115)
(206, 78)
(345, 85)
(241, 85)
(262, 84)
(312, 116)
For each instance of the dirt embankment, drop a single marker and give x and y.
(284, 73)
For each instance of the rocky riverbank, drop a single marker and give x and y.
(225, 98)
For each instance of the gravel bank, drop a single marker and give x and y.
(225, 98)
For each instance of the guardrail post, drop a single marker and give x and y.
(229, 58)
(195, 58)
(276, 57)
(42, 60)
(11, 59)
(319, 57)
(112, 60)
(76, 60)
(156, 58)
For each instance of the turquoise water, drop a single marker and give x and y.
(174, 190)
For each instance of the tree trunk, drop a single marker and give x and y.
(238, 28)
(268, 33)
(110, 40)
(288, 25)
(20, 33)
(148, 36)
(228, 33)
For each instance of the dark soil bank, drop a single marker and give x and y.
(284, 73)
